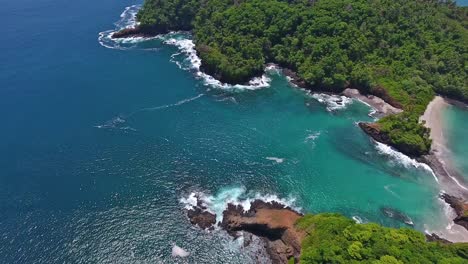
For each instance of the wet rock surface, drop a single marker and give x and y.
(461, 209)
(273, 222)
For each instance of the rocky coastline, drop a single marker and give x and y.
(461, 209)
(138, 31)
(381, 102)
(273, 222)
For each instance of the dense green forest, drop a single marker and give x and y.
(403, 51)
(333, 238)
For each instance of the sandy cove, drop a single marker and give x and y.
(440, 157)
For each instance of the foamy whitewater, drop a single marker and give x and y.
(182, 41)
(333, 102)
(402, 159)
(216, 204)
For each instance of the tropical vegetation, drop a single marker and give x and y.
(403, 51)
(332, 238)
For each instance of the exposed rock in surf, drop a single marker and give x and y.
(373, 130)
(137, 32)
(397, 215)
(202, 218)
(273, 222)
(435, 238)
(461, 209)
(295, 79)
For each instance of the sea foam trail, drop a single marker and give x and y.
(402, 159)
(117, 121)
(127, 20)
(186, 46)
(237, 196)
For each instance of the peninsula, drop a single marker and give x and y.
(401, 51)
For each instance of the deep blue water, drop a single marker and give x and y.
(78, 186)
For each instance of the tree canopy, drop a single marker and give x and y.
(404, 51)
(332, 238)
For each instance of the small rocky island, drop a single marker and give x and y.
(273, 222)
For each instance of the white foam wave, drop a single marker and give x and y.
(179, 252)
(127, 20)
(372, 112)
(449, 230)
(187, 46)
(333, 102)
(402, 159)
(237, 196)
(313, 136)
(357, 219)
(275, 159)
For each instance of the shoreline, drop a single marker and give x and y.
(440, 157)
(382, 108)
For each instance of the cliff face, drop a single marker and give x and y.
(273, 222)
(461, 208)
(373, 130)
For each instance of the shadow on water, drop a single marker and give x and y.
(357, 146)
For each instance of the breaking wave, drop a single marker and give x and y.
(193, 63)
(127, 20)
(402, 159)
(333, 102)
(237, 196)
(186, 46)
(275, 159)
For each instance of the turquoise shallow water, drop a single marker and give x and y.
(99, 145)
(456, 131)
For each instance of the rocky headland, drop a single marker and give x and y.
(273, 222)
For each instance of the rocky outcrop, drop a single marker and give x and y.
(273, 222)
(202, 218)
(137, 32)
(461, 209)
(373, 130)
(435, 238)
(397, 215)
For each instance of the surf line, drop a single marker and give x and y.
(114, 122)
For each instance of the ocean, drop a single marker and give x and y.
(455, 130)
(103, 143)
